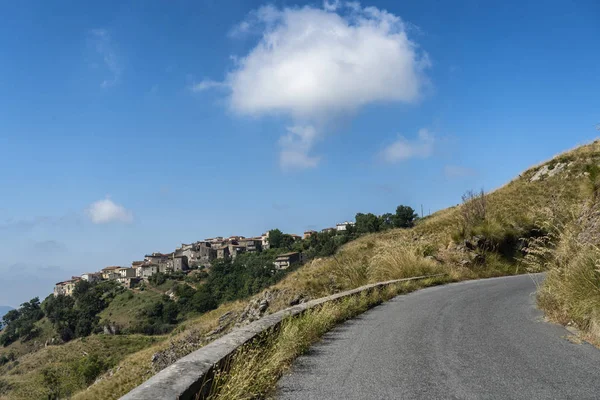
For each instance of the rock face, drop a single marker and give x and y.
(256, 308)
(548, 170)
(298, 299)
(191, 342)
(111, 329)
(178, 348)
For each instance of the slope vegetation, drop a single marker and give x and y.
(514, 229)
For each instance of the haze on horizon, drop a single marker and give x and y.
(128, 129)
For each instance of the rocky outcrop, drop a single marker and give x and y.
(179, 348)
(110, 328)
(257, 307)
(548, 170)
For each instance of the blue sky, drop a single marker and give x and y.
(127, 129)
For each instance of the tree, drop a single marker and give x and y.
(61, 313)
(405, 217)
(367, 223)
(386, 221)
(275, 238)
(280, 240)
(20, 324)
(203, 300)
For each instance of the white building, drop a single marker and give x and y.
(343, 226)
(91, 277)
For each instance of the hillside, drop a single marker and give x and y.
(492, 234)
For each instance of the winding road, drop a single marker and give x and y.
(481, 339)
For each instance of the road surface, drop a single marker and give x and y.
(481, 339)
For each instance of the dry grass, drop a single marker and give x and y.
(432, 246)
(256, 368)
(569, 252)
(137, 367)
(56, 369)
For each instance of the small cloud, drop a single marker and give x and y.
(101, 42)
(295, 147)
(454, 171)
(207, 84)
(404, 149)
(105, 211)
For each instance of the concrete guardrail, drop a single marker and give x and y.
(190, 377)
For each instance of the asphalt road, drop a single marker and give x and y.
(473, 340)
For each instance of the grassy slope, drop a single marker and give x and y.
(392, 254)
(126, 309)
(18, 348)
(432, 246)
(58, 369)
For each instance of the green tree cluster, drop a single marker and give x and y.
(77, 315)
(20, 323)
(280, 240)
(404, 217)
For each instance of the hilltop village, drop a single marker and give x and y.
(188, 257)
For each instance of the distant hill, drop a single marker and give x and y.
(4, 310)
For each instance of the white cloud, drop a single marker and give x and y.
(101, 41)
(333, 6)
(404, 149)
(318, 64)
(295, 147)
(207, 84)
(105, 211)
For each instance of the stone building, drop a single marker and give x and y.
(308, 234)
(127, 272)
(66, 288)
(252, 244)
(199, 253)
(146, 271)
(177, 263)
(235, 249)
(284, 261)
(223, 252)
(110, 272)
(265, 241)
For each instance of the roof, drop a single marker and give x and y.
(288, 254)
(158, 255)
(111, 268)
(73, 279)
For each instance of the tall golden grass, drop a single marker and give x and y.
(569, 295)
(256, 368)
